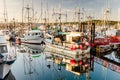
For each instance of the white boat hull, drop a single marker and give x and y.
(4, 70)
(8, 56)
(61, 50)
(32, 41)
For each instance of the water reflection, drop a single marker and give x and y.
(77, 68)
(59, 65)
(51, 66)
(31, 62)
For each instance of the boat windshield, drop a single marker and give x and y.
(3, 49)
(118, 33)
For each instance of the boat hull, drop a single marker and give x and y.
(32, 41)
(61, 50)
(4, 70)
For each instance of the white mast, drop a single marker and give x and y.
(41, 10)
(106, 16)
(47, 14)
(33, 11)
(118, 18)
(5, 14)
(22, 10)
(28, 13)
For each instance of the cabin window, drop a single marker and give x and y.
(75, 39)
(33, 52)
(3, 49)
(36, 51)
(48, 37)
(36, 33)
(118, 33)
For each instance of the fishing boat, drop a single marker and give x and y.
(114, 38)
(7, 57)
(102, 44)
(68, 44)
(33, 37)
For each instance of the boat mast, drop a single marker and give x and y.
(66, 15)
(28, 16)
(79, 22)
(118, 25)
(60, 19)
(106, 17)
(5, 14)
(74, 17)
(22, 10)
(41, 10)
(33, 11)
(60, 14)
(47, 14)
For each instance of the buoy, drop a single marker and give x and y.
(73, 62)
(92, 44)
(73, 47)
(80, 62)
(86, 43)
(81, 47)
(86, 64)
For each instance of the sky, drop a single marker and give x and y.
(93, 8)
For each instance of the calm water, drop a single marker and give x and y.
(37, 69)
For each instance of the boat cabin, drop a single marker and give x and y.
(3, 49)
(34, 33)
(3, 46)
(74, 37)
(115, 36)
(68, 39)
